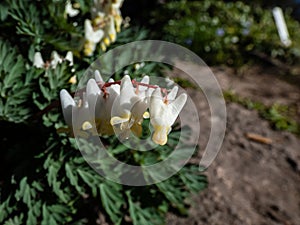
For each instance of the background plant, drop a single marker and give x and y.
(226, 32)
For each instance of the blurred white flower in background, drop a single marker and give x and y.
(106, 20)
(55, 59)
(70, 11)
(92, 37)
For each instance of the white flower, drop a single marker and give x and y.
(111, 31)
(90, 34)
(163, 113)
(106, 15)
(55, 59)
(69, 57)
(92, 37)
(129, 107)
(38, 61)
(80, 111)
(70, 11)
(117, 14)
(100, 105)
(98, 77)
(67, 103)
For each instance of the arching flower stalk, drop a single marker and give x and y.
(119, 107)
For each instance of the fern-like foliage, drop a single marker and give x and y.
(14, 86)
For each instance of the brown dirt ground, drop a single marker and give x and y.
(249, 182)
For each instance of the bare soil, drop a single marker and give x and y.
(250, 182)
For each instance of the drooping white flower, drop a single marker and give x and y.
(111, 30)
(163, 113)
(69, 10)
(69, 57)
(91, 34)
(100, 105)
(129, 107)
(92, 37)
(117, 13)
(38, 61)
(67, 103)
(94, 109)
(80, 111)
(110, 33)
(55, 60)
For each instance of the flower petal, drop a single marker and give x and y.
(145, 80)
(111, 29)
(92, 88)
(173, 93)
(69, 57)
(67, 103)
(70, 10)
(92, 93)
(156, 104)
(90, 34)
(98, 77)
(55, 59)
(177, 105)
(127, 92)
(160, 134)
(38, 61)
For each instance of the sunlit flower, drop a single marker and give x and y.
(120, 108)
(79, 110)
(100, 104)
(128, 110)
(163, 113)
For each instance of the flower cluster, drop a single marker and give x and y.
(119, 107)
(54, 60)
(106, 22)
